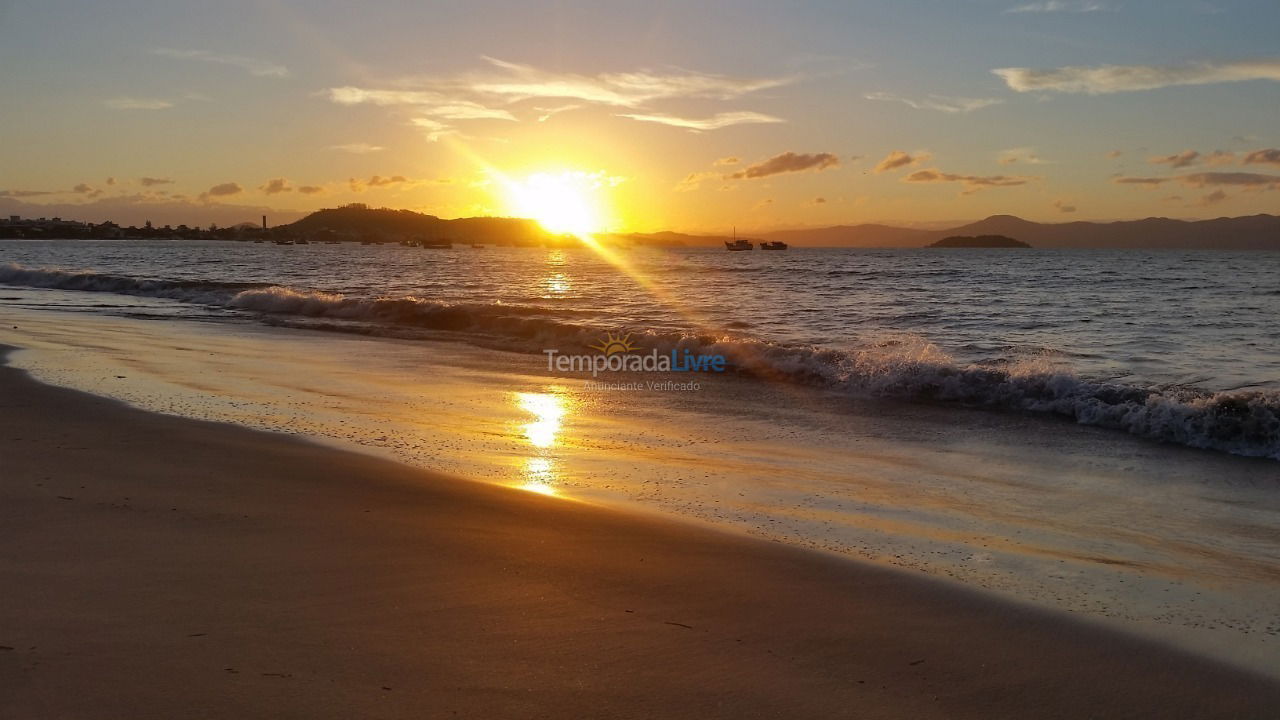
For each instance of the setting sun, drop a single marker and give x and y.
(564, 202)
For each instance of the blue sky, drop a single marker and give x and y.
(430, 105)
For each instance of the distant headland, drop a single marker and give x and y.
(979, 241)
(359, 223)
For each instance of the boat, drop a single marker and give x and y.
(736, 245)
(284, 242)
(774, 245)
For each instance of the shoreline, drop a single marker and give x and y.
(280, 576)
(1039, 515)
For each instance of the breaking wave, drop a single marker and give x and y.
(1238, 422)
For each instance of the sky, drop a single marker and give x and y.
(685, 116)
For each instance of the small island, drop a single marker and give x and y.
(979, 241)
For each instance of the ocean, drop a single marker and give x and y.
(1092, 431)
(1181, 347)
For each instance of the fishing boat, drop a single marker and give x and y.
(773, 245)
(737, 245)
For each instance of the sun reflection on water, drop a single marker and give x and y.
(540, 474)
(548, 410)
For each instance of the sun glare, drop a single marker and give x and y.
(564, 202)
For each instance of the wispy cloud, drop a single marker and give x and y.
(694, 180)
(1105, 79)
(516, 81)
(310, 189)
(900, 159)
(26, 193)
(1177, 160)
(253, 66)
(1019, 156)
(1059, 6)
(359, 148)
(715, 122)
(940, 103)
(787, 162)
(152, 181)
(136, 103)
(380, 181)
(494, 90)
(971, 183)
(1257, 181)
(1145, 181)
(433, 129)
(1063, 206)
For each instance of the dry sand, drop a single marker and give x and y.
(155, 567)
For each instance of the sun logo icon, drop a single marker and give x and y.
(611, 344)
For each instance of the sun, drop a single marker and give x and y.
(566, 202)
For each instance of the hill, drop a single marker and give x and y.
(1254, 232)
(358, 221)
(979, 241)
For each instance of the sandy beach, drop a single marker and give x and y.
(163, 567)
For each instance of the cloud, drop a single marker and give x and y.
(150, 181)
(275, 186)
(132, 103)
(253, 66)
(1063, 206)
(547, 113)
(1024, 155)
(819, 201)
(1239, 179)
(1180, 160)
(82, 189)
(941, 103)
(730, 160)
(1104, 79)
(899, 159)
(972, 183)
(515, 81)
(1114, 154)
(488, 92)
(1059, 6)
(1212, 198)
(358, 148)
(715, 122)
(310, 189)
(378, 181)
(111, 181)
(25, 193)
(223, 190)
(787, 162)
(1270, 156)
(694, 180)
(434, 129)
(1148, 181)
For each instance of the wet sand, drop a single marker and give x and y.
(163, 567)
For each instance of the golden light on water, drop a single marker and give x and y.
(565, 202)
(547, 410)
(540, 473)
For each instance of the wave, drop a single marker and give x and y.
(1239, 422)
